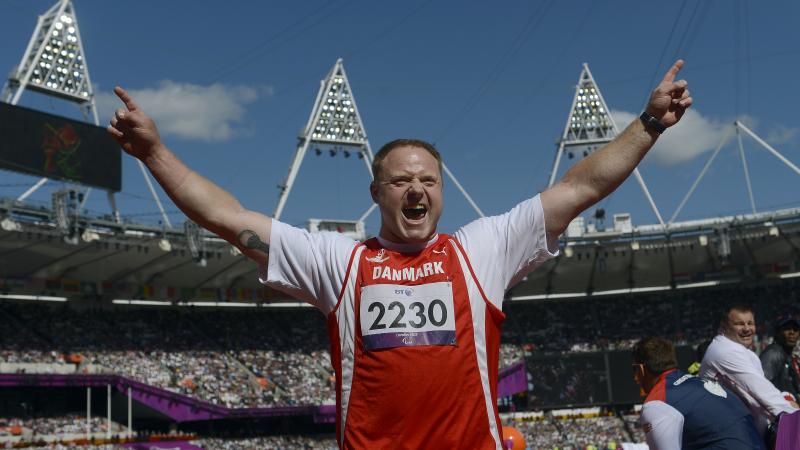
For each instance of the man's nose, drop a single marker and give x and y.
(416, 186)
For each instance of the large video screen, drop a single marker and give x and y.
(55, 147)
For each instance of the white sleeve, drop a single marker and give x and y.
(503, 249)
(663, 425)
(307, 266)
(744, 368)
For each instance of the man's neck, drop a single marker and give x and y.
(411, 247)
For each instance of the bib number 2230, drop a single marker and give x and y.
(401, 316)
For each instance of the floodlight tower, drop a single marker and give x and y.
(590, 126)
(334, 123)
(54, 63)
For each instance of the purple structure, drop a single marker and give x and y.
(789, 432)
(171, 445)
(512, 380)
(178, 407)
(182, 408)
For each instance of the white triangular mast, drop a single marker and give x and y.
(54, 62)
(590, 126)
(334, 122)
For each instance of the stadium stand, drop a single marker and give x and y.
(278, 357)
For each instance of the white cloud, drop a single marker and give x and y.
(190, 111)
(691, 137)
(782, 134)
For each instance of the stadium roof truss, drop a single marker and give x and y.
(695, 253)
(589, 126)
(335, 122)
(738, 128)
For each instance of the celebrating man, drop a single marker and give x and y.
(413, 315)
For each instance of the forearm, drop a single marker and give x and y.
(201, 200)
(765, 393)
(603, 171)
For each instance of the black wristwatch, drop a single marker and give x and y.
(652, 123)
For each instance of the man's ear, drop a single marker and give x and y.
(373, 191)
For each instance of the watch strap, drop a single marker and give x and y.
(652, 123)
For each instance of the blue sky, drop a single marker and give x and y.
(231, 84)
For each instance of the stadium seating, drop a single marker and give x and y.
(279, 357)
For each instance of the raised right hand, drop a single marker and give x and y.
(135, 132)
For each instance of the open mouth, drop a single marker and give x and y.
(415, 212)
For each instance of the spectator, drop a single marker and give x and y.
(781, 366)
(730, 361)
(683, 411)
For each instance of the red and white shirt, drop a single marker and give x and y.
(414, 329)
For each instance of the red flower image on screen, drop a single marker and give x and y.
(60, 147)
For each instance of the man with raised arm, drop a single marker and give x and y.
(413, 315)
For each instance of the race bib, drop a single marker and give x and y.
(394, 315)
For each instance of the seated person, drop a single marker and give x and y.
(682, 411)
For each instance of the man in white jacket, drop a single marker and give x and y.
(730, 360)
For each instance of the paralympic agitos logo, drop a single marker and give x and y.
(60, 146)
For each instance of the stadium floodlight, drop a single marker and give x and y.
(286, 305)
(588, 127)
(119, 301)
(164, 245)
(9, 224)
(54, 62)
(698, 284)
(90, 236)
(196, 243)
(632, 290)
(220, 304)
(36, 298)
(66, 207)
(334, 123)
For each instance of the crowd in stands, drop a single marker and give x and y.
(574, 433)
(271, 443)
(71, 424)
(54, 431)
(279, 357)
(616, 322)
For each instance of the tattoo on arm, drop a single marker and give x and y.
(250, 240)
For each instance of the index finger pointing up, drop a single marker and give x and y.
(669, 77)
(126, 98)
